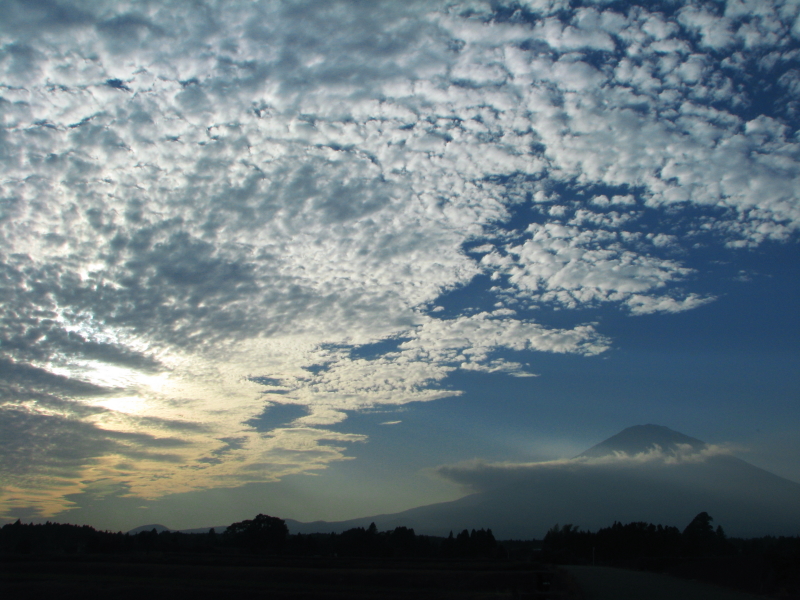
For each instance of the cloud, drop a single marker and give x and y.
(655, 486)
(481, 476)
(193, 197)
(573, 265)
(45, 455)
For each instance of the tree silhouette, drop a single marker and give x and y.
(699, 536)
(264, 533)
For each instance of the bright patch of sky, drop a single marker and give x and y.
(230, 230)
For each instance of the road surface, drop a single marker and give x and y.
(607, 583)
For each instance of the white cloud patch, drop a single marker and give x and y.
(481, 476)
(193, 196)
(573, 266)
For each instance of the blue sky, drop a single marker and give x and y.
(291, 257)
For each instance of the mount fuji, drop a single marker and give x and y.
(644, 473)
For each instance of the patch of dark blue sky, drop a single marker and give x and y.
(371, 351)
(691, 371)
(276, 415)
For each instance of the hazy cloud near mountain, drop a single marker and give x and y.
(663, 477)
(480, 476)
(197, 195)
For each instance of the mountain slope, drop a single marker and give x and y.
(156, 526)
(675, 479)
(643, 438)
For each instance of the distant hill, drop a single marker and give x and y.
(217, 529)
(680, 478)
(160, 528)
(156, 526)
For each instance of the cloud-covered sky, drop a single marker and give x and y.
(243, 243)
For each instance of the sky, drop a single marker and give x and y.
(294, 257)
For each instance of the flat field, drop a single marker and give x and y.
(154, 577)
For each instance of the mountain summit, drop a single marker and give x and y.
(525, 500)
(644, 438)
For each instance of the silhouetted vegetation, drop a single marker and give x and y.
(567, 544)
(474, 543)
(258, 558)
(701, 551)
(261, 535)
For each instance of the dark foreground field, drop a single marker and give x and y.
(608, 583)
(153, 577)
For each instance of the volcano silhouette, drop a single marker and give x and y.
(644, 438)
(644, 473)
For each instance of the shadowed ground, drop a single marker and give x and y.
(607, 583)
(269, 578)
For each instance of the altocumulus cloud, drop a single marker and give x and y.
(197, 197)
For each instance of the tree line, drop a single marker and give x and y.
(758, 565)
(700, 551)
(262, 535)
(568, 544)
(266, 535)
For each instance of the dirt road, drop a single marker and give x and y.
(606, 583)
